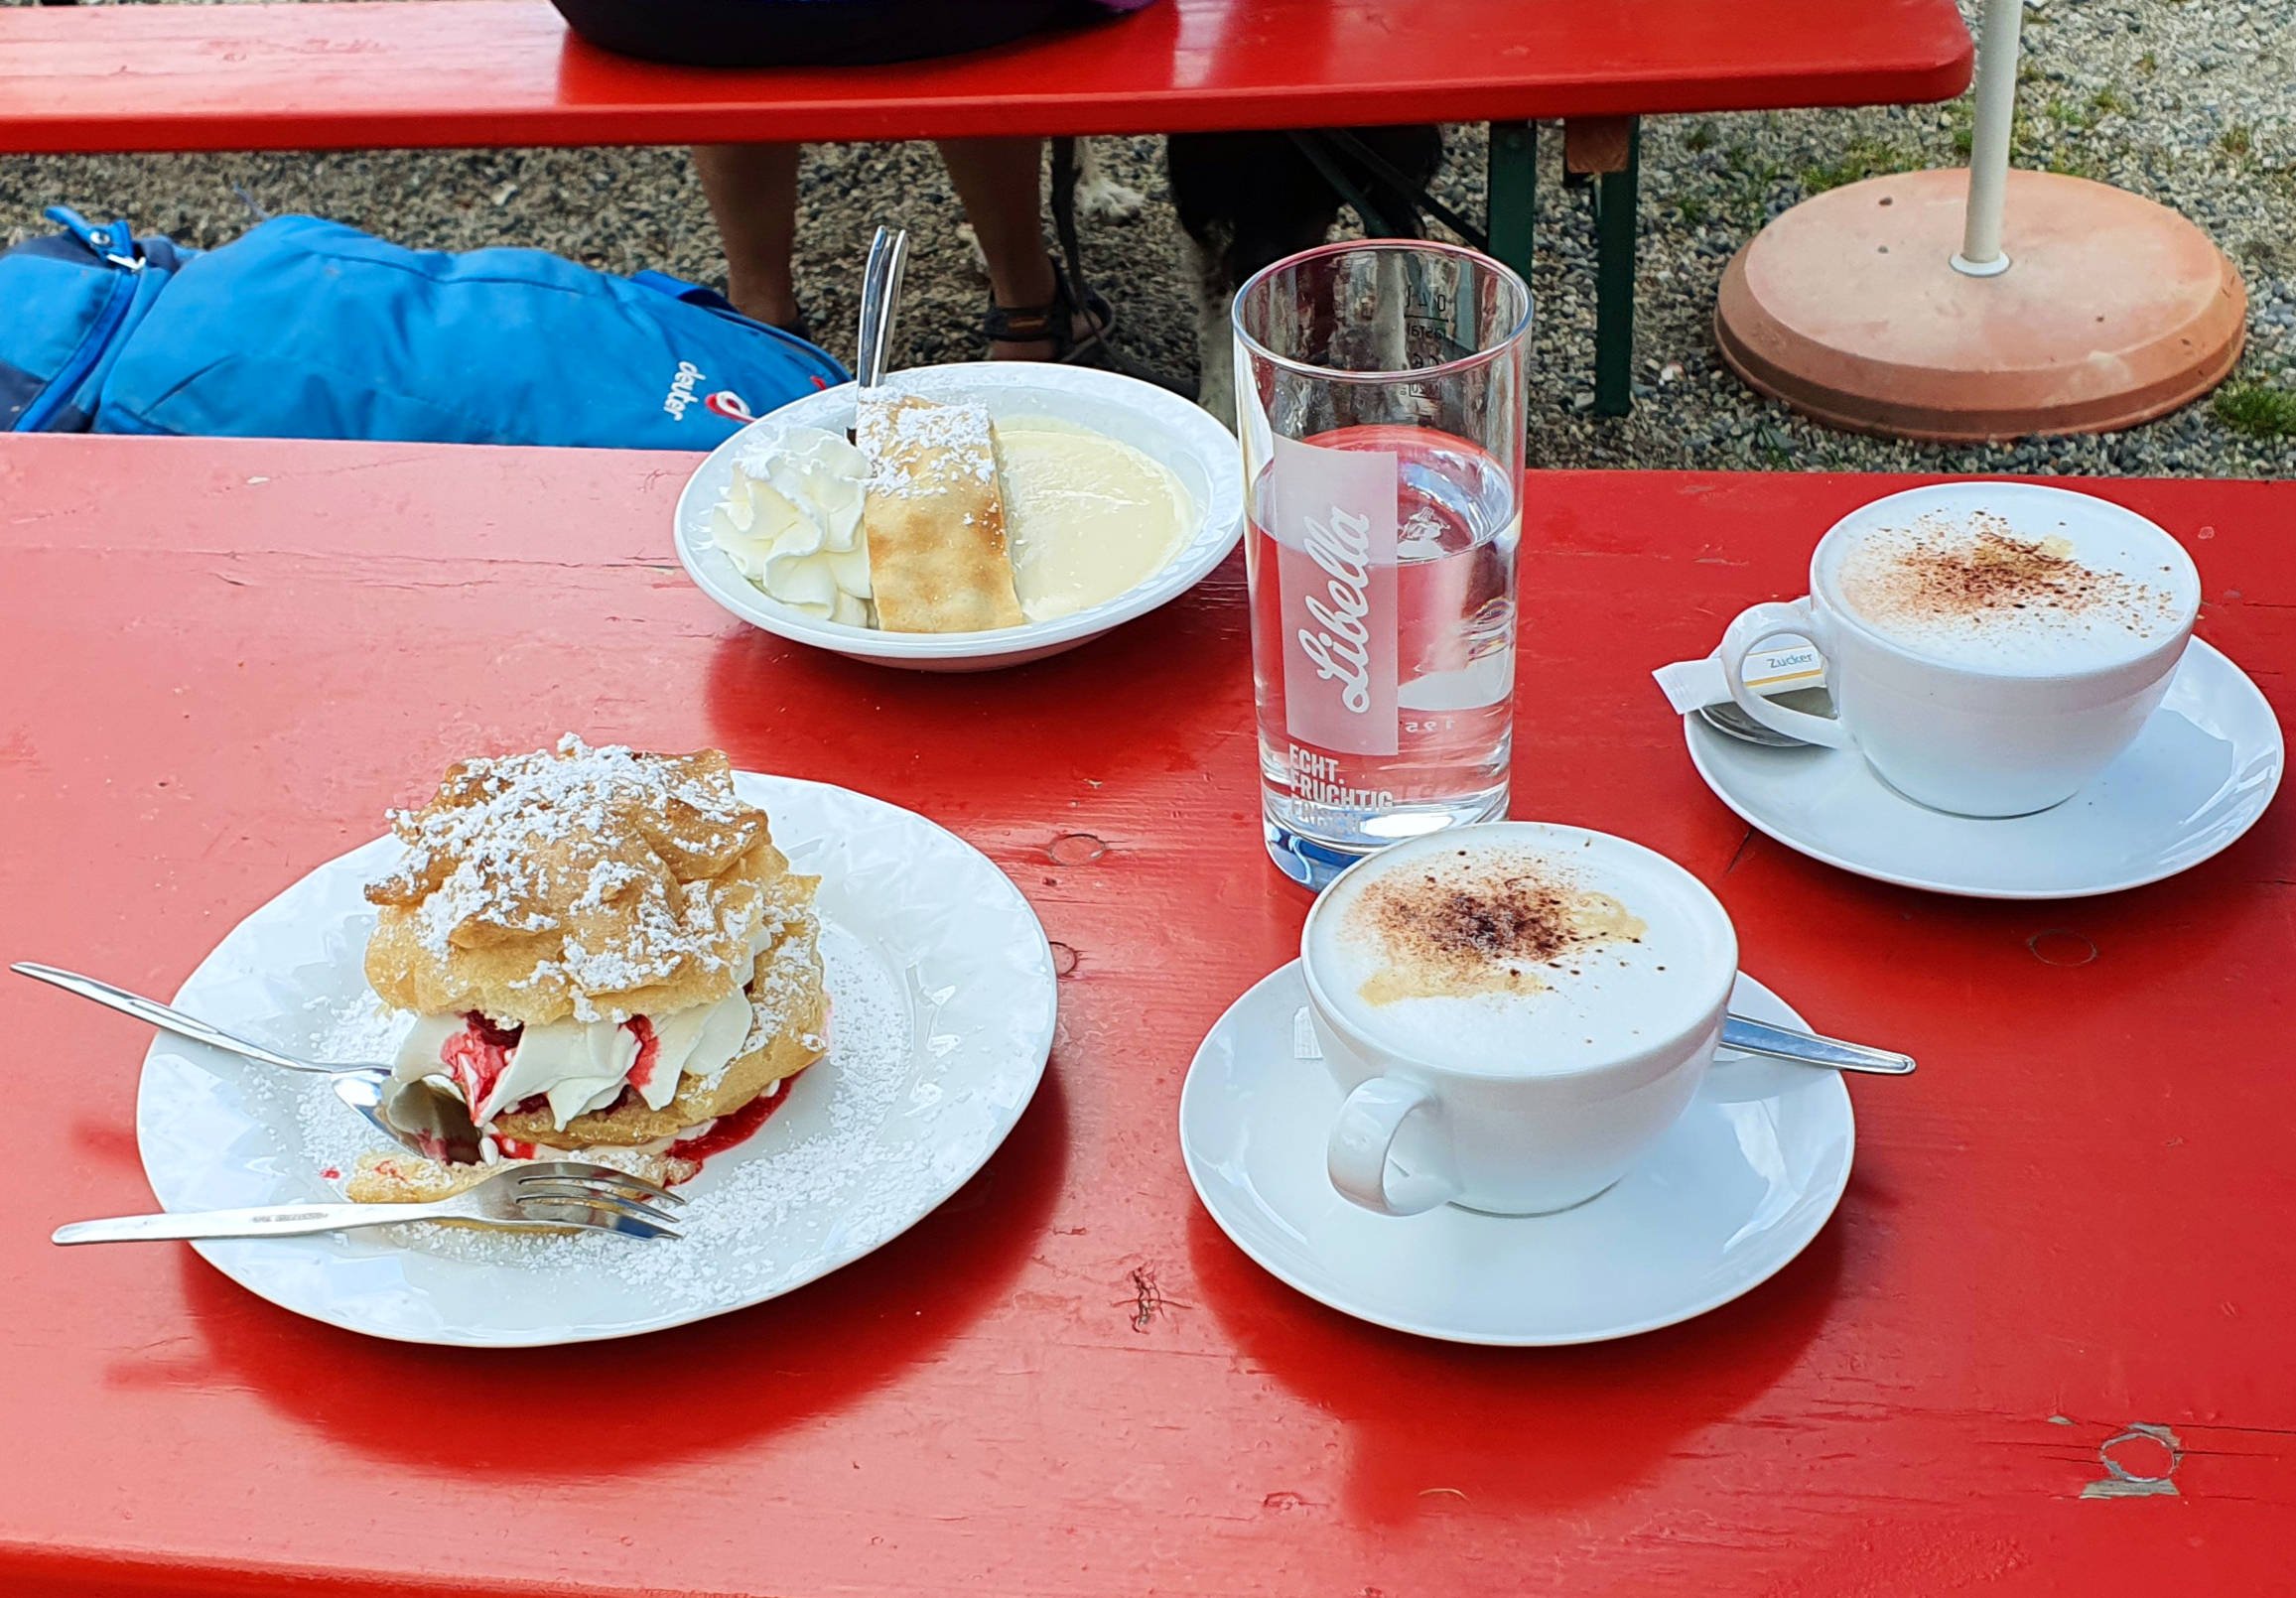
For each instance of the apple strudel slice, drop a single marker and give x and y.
(934, 516)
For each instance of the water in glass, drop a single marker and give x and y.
(1452, 593)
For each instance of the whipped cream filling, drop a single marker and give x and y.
(576, 1066)
(790, 522)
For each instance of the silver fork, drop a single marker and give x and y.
(551, 1196)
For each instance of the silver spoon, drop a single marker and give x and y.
(1727, 719)
(881, 295)
(418, 1115)
(1749, 1036)
(1742, 1034)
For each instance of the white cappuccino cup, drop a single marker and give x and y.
(1517, 1013)
(1990, 646)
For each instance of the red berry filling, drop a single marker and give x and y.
(728, 1130)
(478, 1055)
(641, 1071)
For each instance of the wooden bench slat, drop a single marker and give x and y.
(490, 73)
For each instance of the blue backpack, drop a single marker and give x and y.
(308, 328)
(72, 301)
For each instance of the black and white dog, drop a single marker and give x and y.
(1247, 200)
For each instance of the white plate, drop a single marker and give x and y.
(942, 988)
(1157, 423)
(2197, 777)
(1734, 1191)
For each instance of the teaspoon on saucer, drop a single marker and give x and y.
(1732, 722)
(1745, 1035)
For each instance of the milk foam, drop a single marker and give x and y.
(2011, 578)
(1433, 950)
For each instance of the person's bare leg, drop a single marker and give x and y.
(753, 193)
(1000, 184)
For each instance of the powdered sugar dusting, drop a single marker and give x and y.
(919, 447)
(779, 984)
(360, 1030)
(494, 850)
(573, 797)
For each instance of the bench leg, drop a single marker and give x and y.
(1513, 185)
(1614, 220)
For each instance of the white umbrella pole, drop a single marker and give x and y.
(1981, 254)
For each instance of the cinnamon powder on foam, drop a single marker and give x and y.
(1941, 573)
(1463, 926)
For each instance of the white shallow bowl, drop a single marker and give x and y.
(1199, 450)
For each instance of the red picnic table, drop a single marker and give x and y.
(2063, 1260)
(371, 73)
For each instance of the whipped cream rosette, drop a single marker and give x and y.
(791, 524)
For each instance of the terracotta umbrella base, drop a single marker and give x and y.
(2114, 310)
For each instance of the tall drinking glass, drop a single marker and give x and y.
(1380, 394)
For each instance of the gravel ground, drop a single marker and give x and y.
(2191, 103)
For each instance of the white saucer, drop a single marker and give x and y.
(1736, 1190)
(1160, 424)
(2197, 777)
(943, 991)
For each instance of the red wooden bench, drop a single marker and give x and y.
(377, 74)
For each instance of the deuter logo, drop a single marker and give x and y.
(681, 392)
(723, 402)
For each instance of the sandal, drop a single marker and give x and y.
(1053, 324)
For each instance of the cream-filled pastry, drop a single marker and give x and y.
(602, 950)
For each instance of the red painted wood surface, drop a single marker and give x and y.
(223, 659)
(347, 75)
